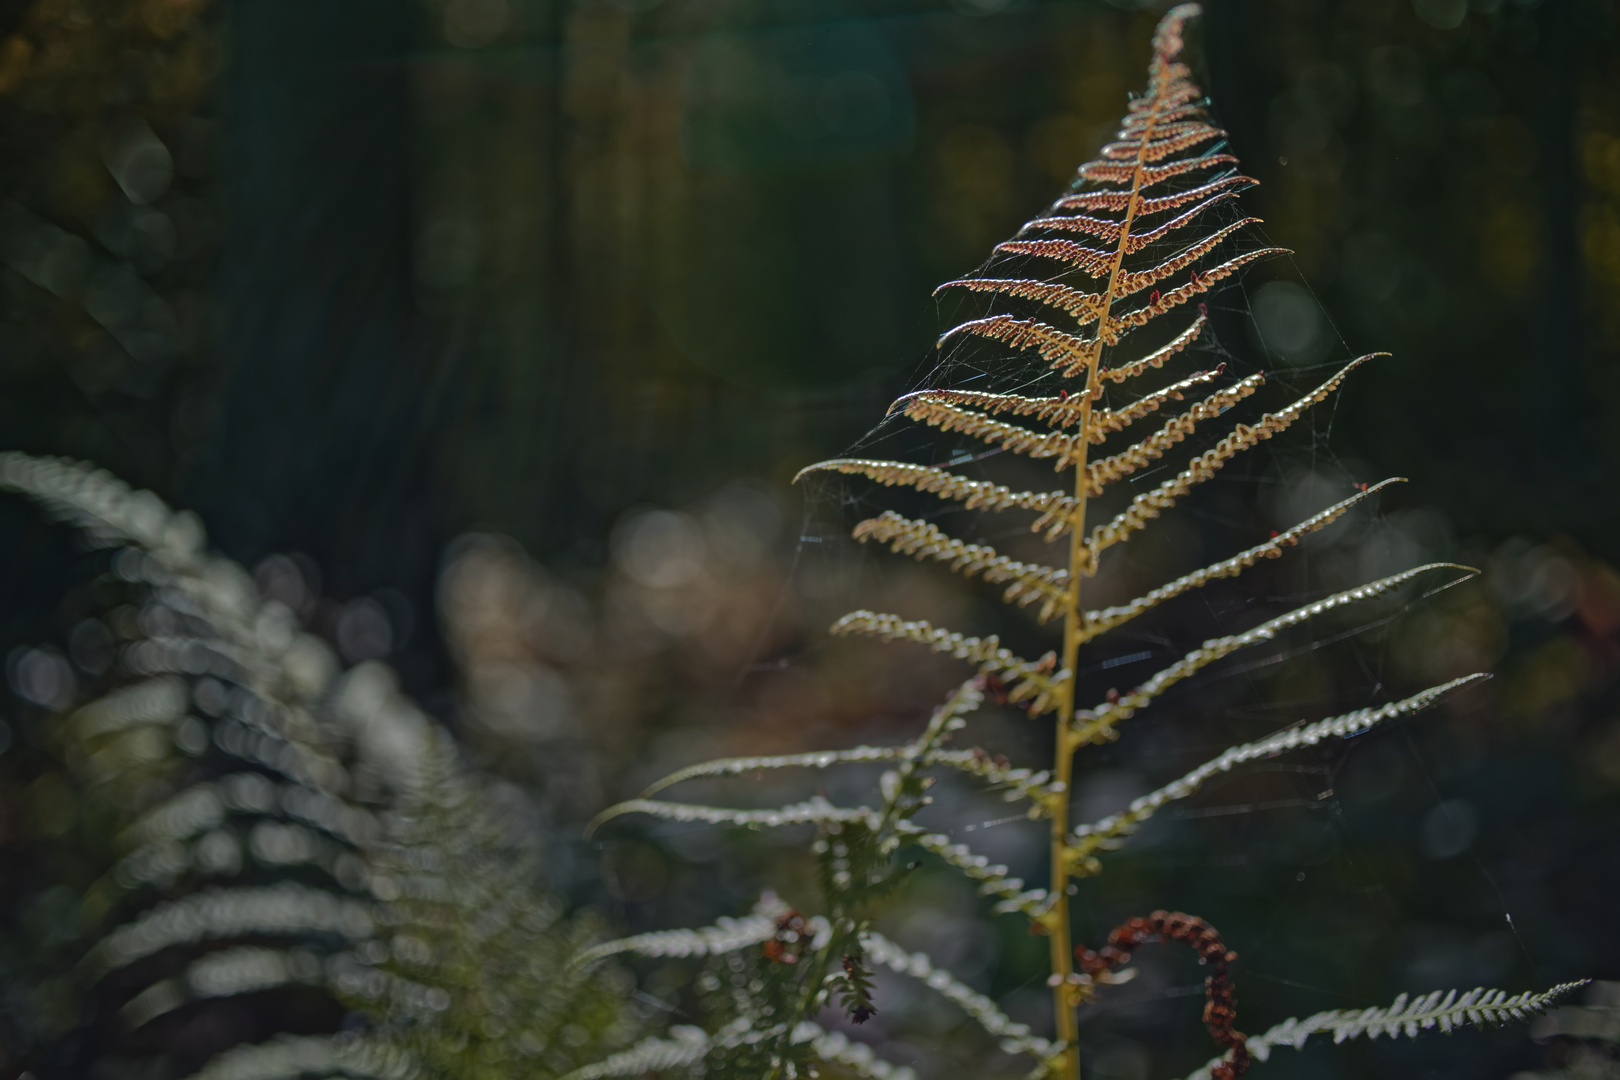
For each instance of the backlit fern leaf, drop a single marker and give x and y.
(727, 935)
(1148, 229)
(1445, 1010)
(1016, 1038)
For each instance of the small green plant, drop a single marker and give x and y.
(1146, 231)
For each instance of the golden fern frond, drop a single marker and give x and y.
(1098, 723)
(1159, 304)
(1019, 440)
(1097, 622)
(1148, 227)
(1101, 228)
(1108, 172)
(1104, 472)
(1110, 230)
(1158, 356)
(1105, 422)
(1085, 307)
(1099, 264)
(1173, 139)
(1064, 410)
(924, 540)
(1066, 352)
(1129, 282)
(1025, 680)
(1150, 504)
(974, 494)
(1142, 240)
(1122, 200)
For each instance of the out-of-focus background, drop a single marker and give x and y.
(489, 334)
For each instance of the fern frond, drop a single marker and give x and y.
(1018, 783)
(1066, 411)
(1098, 723)
(304, 1057)
(853, 985)
(1121, 200)
(949, 717)
(1026, 681)
(812, 811)
(924, 540)
(1090, 261)
(685, 1046)
(160, 700)
(836, 1048)
(1066, 353)
(1097, 622)
(1083, 307)
(1020, 440)
(1158, 356)
(1107, 172)
(1446, 1010)
(1101, 228)
(1057, 411)
(1107, 421)
(1150, 504)
(974, 494)
(1173, 139)
(104, 507)
(1091, 837)
(1100, 264)
(726, 935)
(204, 806)
(1141, 240)
(1102, 473)
(1130, 282)
(993, 878)
(1119, 325)
(1015, 1038)
(281, 910)
(1109, 230)
(247, 969)
(816, 759)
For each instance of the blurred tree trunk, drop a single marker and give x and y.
(332, 388)
(327, 412)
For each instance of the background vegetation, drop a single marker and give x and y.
(489, 333)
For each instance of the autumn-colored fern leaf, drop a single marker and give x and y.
(1219, 1009)
(1149, 229)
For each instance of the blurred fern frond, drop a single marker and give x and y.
(290, 840)
(1092, 286)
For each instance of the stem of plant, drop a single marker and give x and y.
(1063, 995)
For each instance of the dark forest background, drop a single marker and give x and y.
(354, 280)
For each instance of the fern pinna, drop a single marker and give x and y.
(1134, 245)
